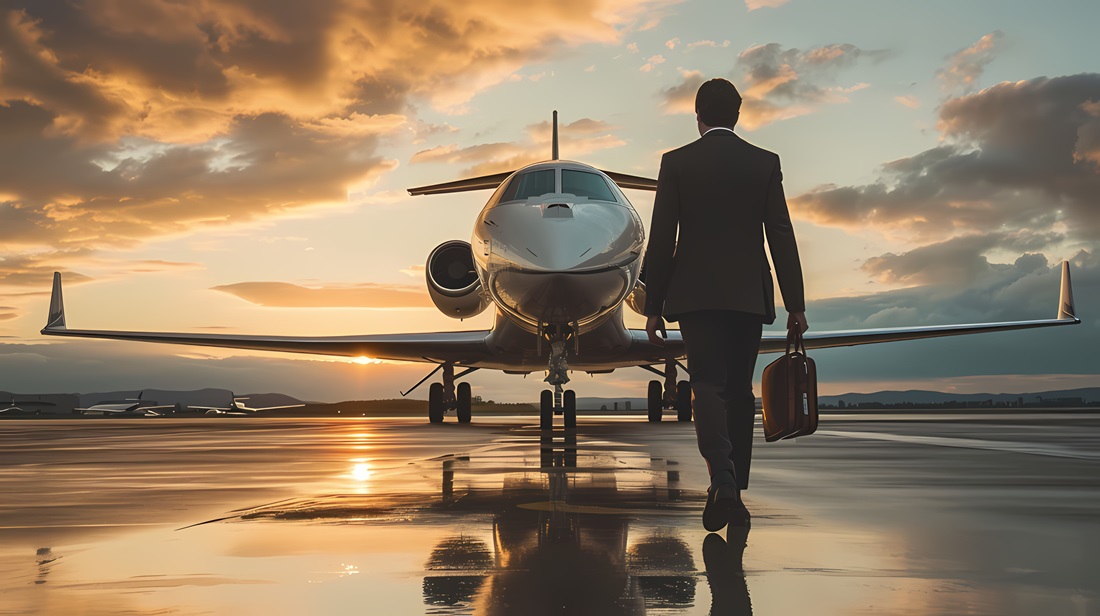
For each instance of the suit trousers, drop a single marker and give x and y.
(722, 346)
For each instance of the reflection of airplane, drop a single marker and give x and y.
(236, 409)
(573, 534)
(571, 553)
(556, 251)
(130, 407)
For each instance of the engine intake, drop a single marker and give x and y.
(453, 283)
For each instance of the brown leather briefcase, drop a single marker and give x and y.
(789, 390)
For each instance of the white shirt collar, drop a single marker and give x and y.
(718, 128)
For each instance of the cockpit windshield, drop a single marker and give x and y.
(531, 184)
(541, 182)
(584, 184)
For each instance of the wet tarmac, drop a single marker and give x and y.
(876, 514)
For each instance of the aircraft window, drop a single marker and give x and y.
(532, 184)
(584, 184)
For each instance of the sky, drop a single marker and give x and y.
(241, 166)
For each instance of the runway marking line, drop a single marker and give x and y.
(1054, 451)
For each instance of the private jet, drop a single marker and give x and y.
(13, 410)
(130, 407)
(556, 253)
(237, 408)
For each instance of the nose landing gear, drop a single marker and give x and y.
(560, 401)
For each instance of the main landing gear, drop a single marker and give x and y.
(672, 395)
(446, 396)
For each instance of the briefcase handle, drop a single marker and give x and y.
(795, 340)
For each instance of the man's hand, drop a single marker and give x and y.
(654, 325)
(797, 319)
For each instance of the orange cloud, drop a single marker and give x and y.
(752, 5)
(576, 139)
(966, 66)
(776, 83)
(286, 295)
(908, 100)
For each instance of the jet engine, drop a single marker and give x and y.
(453, 282)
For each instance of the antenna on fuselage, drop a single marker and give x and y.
(555, 146)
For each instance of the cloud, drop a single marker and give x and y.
(1088, 135)
(957, 261)
(576, 138)
(680, 98)
(120, 123)
(958, 285)
(965, 67)
(36, 270)
(752, 5)
(908, 100)
(993, 292)
(67, 193)
(652, 62)
(672, 42)
(778, 84)
(1017, 158)
(286, 295)
(708, 43)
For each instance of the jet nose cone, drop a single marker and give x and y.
(560, 236)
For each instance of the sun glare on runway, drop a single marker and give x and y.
(361, 471)
(363, 361)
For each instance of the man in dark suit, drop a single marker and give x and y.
(722, 194)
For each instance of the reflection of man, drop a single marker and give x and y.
(722, 194)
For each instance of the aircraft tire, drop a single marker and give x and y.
(546, 410)
(465, 403)
(435, 403)
(656, 401)
(683, 401)
(569, 401)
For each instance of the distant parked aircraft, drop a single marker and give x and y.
(13, 410)
(131, 407)
(237, 409)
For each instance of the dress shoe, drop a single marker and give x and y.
(739, 514)
(722, 500)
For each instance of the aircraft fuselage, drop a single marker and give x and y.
(558, 245)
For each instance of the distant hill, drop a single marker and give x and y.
(916, 396)
(53, 404)
(913, 396)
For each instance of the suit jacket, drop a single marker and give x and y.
(722, 194)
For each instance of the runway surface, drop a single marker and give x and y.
(876, 514)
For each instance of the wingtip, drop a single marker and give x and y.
(56, 319)
(1066, 310)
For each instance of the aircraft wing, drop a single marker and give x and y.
(460, 348)
(776, 342)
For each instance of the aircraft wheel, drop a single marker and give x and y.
(656, 400)
(683, 401)
(546, 410)
(569, 401)
(435, 403)
(465, 404)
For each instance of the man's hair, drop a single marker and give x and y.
(718, 103)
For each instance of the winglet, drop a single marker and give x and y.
(56, 319)
(1066, 311)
